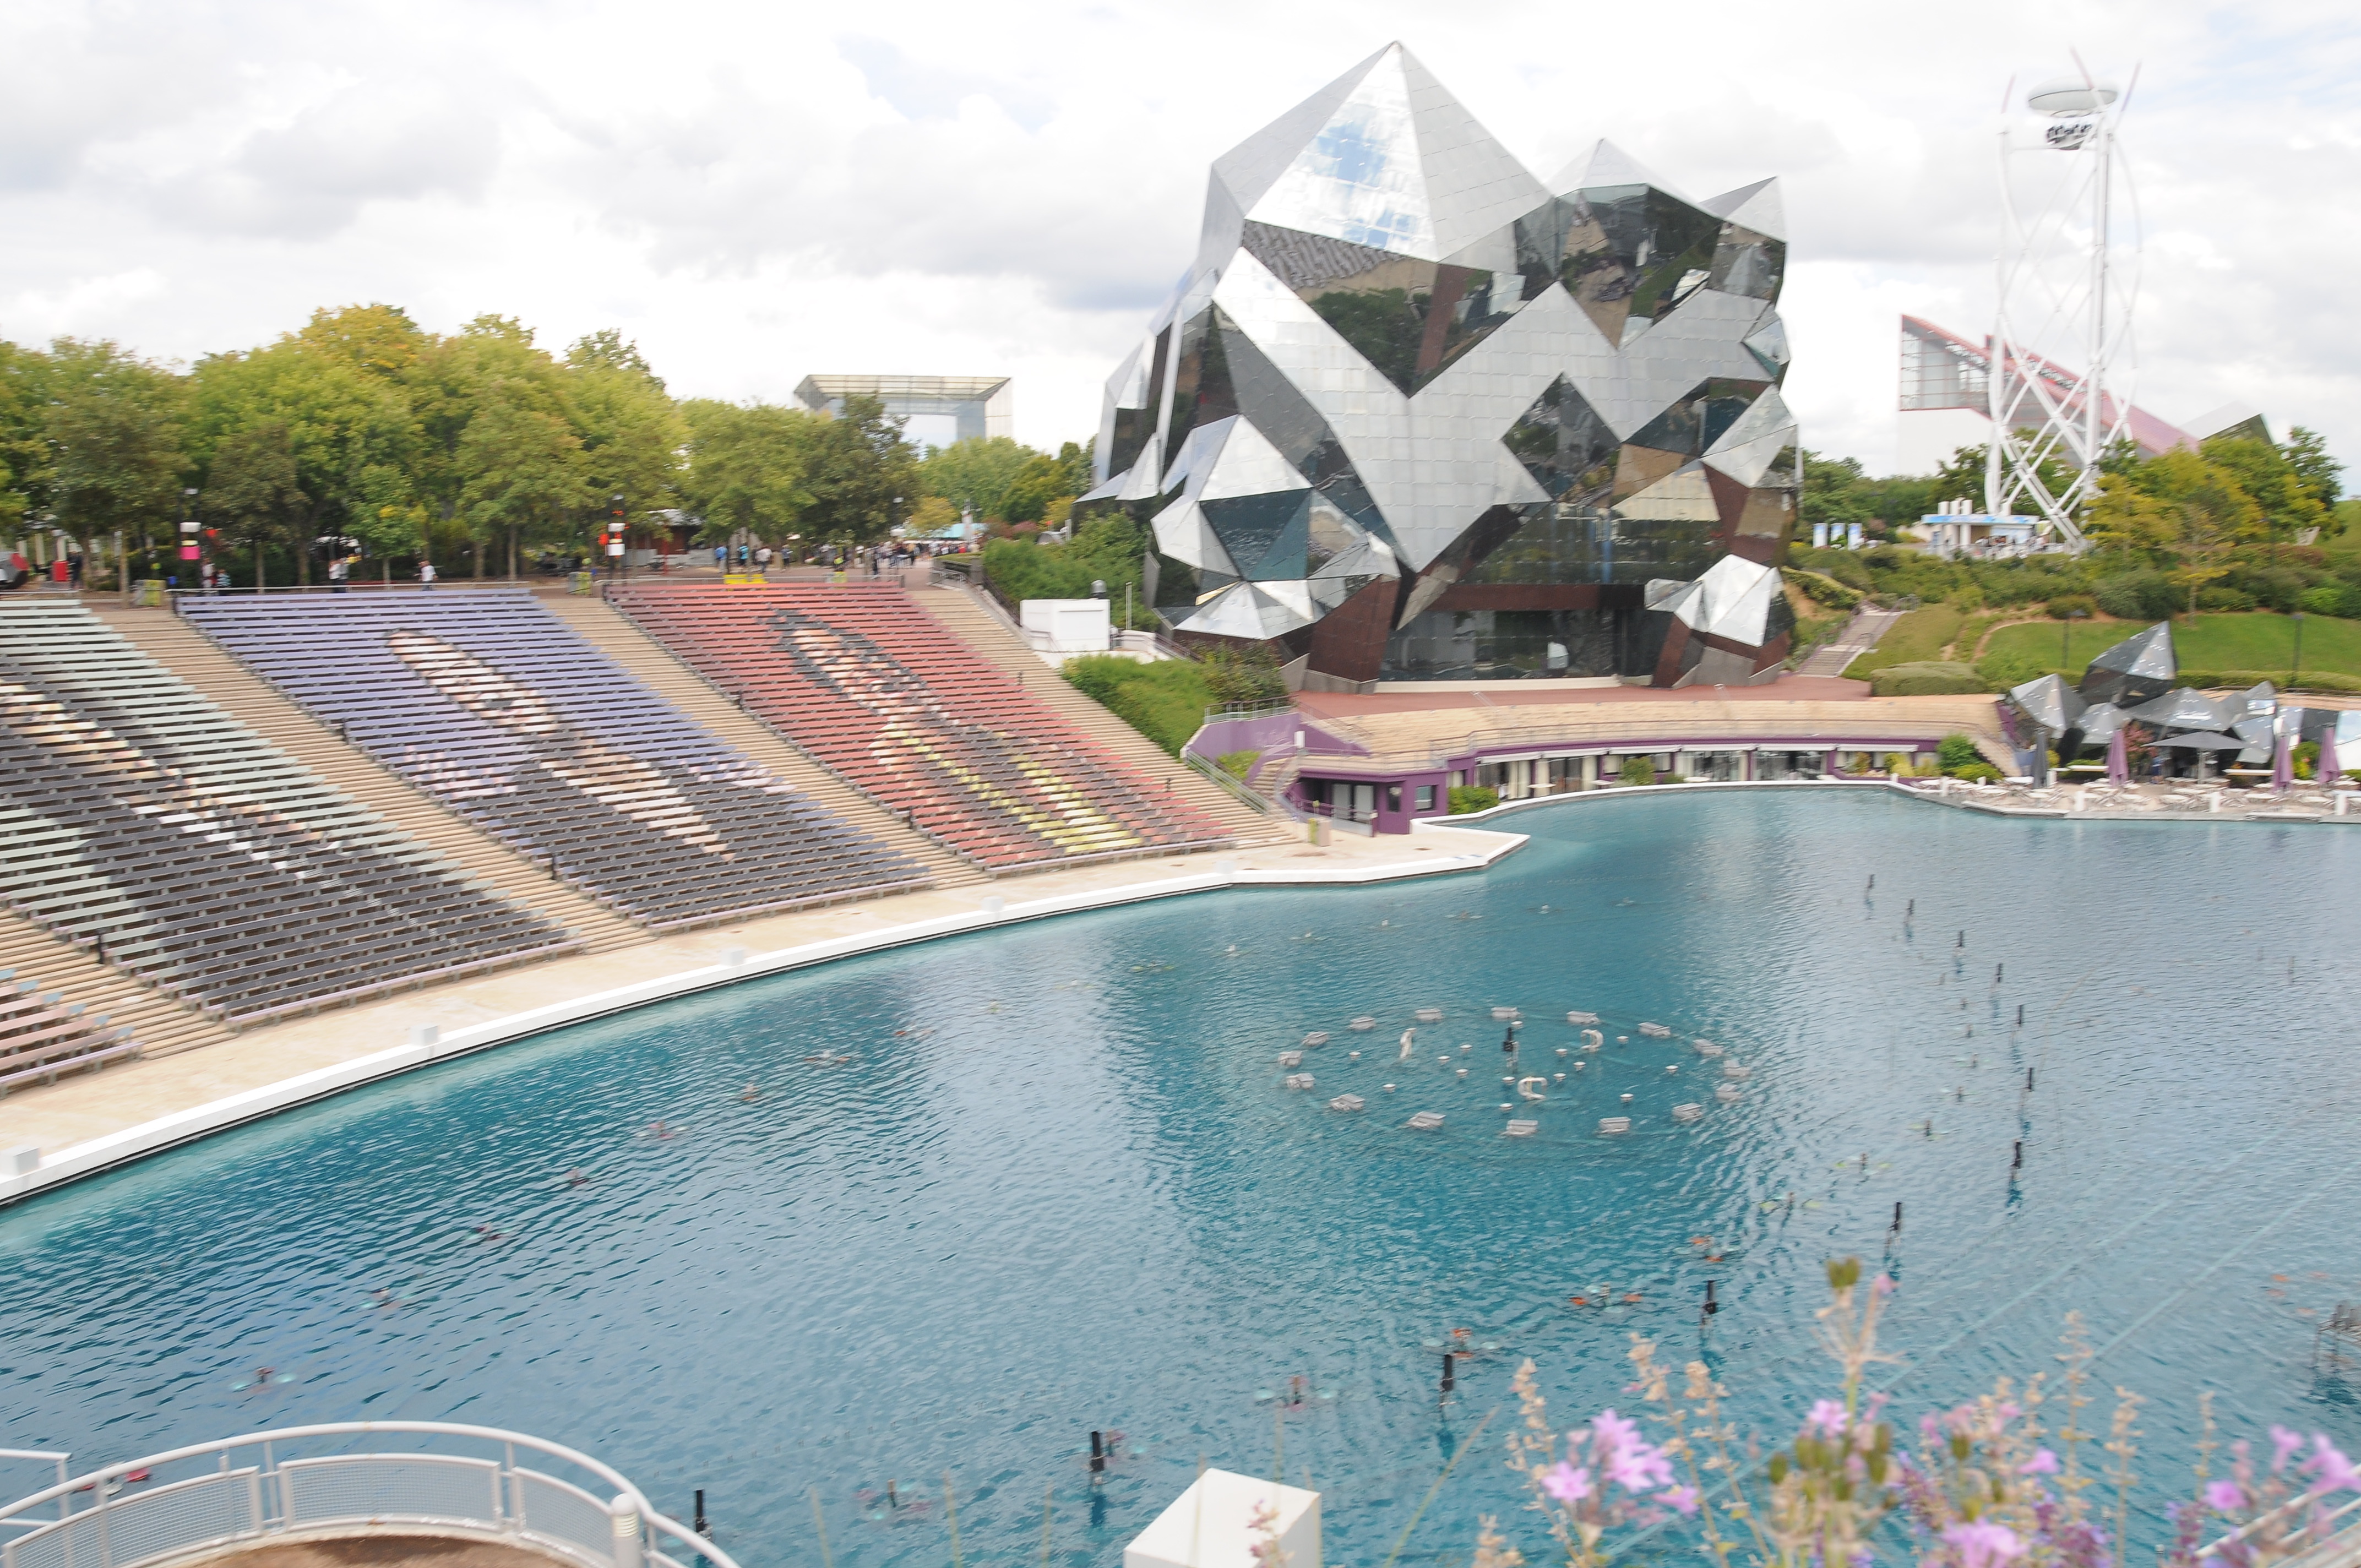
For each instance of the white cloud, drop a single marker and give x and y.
(757, 192)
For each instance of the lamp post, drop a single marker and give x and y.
(2296, 674)
(617, 560)
(2065, 638)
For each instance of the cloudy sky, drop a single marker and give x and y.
(755, 192)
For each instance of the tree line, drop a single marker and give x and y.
(365, 434)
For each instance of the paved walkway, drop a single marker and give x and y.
(1859, 635)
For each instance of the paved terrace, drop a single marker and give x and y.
(1397, 732)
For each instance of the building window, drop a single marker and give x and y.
(1426, 798)
(1393, 798)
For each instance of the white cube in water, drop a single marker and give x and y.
(1211, 1525)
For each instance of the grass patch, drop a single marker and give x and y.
(2267, 643)
(1165, 701)
(1928, 678)
(1238, 764)
(1918, 638)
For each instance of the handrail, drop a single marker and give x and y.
(1563, 735)
(626, 1494)
(1245, 794)
(2315, 1528)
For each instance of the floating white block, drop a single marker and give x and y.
(1426, 1121)
(1362, 1025)
(1429, 1014)
(1299, 1081)
(1708, 1048)
(1317, 1037)
(1291, 1059)
(1211, 1525)
(1582, 1017)
(1736, 1070)
(1505, 1013)
(1688, 1113)
(1657, 1031)
(1346, 1103)
(1520, 1129)
(1727, 1093)
(1615, 1124)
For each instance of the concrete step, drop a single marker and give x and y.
(654, 666)
(957, 610)
(197, 659)
(158, 1023)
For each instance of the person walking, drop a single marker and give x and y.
(721, 557)
(337, 573)
(426, 573)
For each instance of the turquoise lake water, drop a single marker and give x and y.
(1058, 1185)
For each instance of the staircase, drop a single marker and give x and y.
(990, 636)
(652, 666)
(159, 1025)
(256, 704)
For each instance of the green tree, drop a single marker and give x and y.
(972, 475)
(522, 470)
(1037, 486)
(2262, 471)
(113, 429)
(2315, 470)
(253, 496)
(632, 433)
(746, 466)
(24, 422)
(857, 466)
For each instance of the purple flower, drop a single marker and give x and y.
(1883, 1285)
(2329, 1468)
(1612, 1433)
(1566, 1482)
(2284, 1444)
(2225, 1497)
(1983, 1545)
(1828, 1418)
(2043, 1463)
(1684, 1498)
(1637, 1467)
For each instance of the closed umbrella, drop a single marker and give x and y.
(2119, 767)
(2283, 764)
(2326, 770)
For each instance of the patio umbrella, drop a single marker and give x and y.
(2101, 721)
(2119, 767)
(2283, 764)
(2186, 710)
(2326, 770)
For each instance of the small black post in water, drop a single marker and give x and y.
(1449, 1363)
(2016, 1159)
(699, 1525)
(1962, 941)
(1098, 1454)
(2020, 1014)
(1912, 908)
(1897, 1215)
(892, 1498)
(1712, 1306)
(1873, 883)
(2028, 1081)
(1996, 969)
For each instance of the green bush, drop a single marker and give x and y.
(2005, 670)
(1465, 798)
(1165, 701)
(1926, 678)
(1238, 764)
(2224, 598)
(1956, 751)
(1821, 588)
(1637, 770)
(1243, 677)
(2328, 599)
(2139, 596)
(1977, 772)
(2065, 605)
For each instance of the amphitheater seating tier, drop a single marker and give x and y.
(42, 1034)
(491, 705)
(144, 821)
(870, 684)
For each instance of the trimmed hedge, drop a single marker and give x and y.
(1926, 678)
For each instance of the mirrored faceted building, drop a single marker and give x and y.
(1413, 415)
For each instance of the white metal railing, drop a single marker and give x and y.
(2304, 1527)
(197, 1499)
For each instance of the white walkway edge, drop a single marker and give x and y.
(1485, 848)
